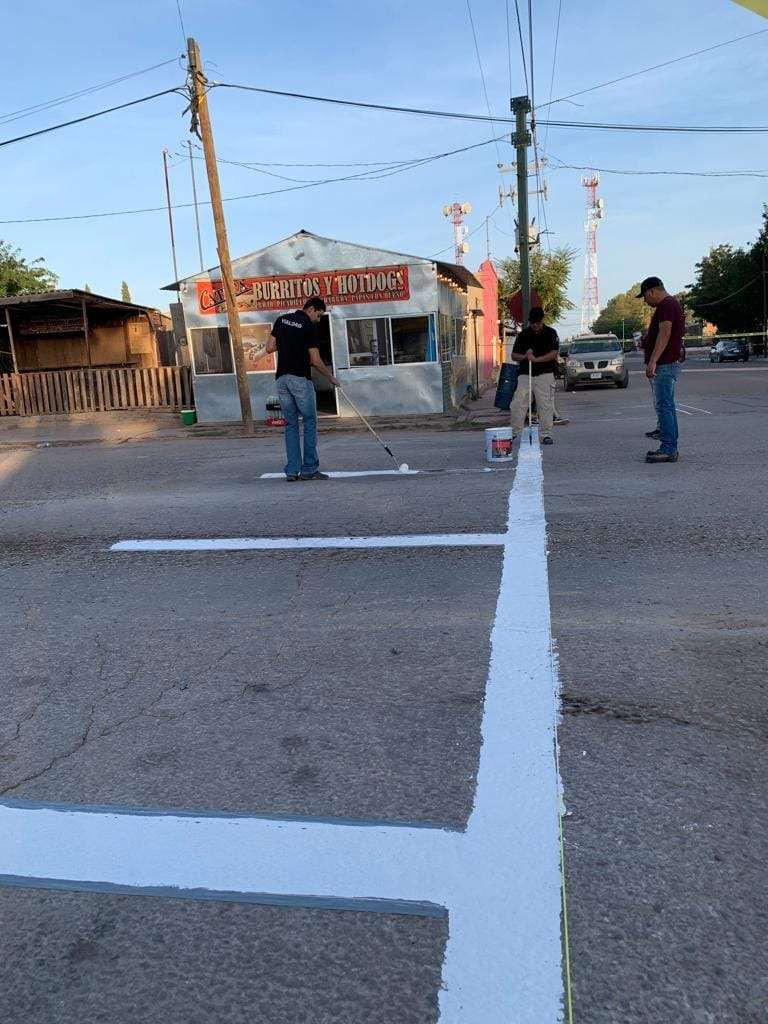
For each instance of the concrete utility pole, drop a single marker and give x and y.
(521, 140)
(201, 119)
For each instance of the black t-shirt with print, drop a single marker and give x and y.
(295, 335)
(540, 343)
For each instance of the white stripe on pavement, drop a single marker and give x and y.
(695, 408)
(499, 879)
(426, 540)
(341, 474)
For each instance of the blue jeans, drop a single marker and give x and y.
(297, 398)
(664, 396)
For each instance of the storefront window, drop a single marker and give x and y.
(211, 350)
(410, 339)
(368, 342)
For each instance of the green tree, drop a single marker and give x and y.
(125, 292)
(550, 273)
(728, 289)
(623, 315)
(20, 277)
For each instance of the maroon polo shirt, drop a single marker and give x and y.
(668, 309)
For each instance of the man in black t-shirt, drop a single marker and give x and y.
(294, 338)
(535, 351)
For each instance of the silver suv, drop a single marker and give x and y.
(595, 359)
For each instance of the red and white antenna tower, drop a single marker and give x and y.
(590, 300)
(457, 213)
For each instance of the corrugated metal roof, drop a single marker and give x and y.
(65, 296)
(460, 273)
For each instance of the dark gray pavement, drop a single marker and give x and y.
(658, 578)
(351, 683)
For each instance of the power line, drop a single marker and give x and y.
(88, 117)
(522, 46)
(530, 51)
(364, 176)
(655, 67)
(727, 129)
(181, 22)
(509, 48)
(758, 173)
(554, 63)
(724, 298)
(705, 129)
(22, 112)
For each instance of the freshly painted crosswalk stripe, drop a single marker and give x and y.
(426, 540)
(498, 880)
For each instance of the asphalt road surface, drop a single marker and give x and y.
(350, 684)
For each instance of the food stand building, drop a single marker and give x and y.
(399, 335)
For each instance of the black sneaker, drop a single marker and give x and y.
(662, 456)
(560, 421)
(291, 477)
(547, 440)
(314, 476)
(653, 434)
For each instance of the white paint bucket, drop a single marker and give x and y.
(498, 444)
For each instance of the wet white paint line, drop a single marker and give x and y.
(425, 540)
(498, 880)
(694, 407)
(341, 474)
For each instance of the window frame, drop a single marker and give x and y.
(429, 317)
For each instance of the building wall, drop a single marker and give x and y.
(491, 350)
(377, 390)
(129, 343)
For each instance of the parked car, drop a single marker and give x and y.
(596, 359)
(730, 350)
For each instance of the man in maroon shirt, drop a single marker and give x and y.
(663, 350)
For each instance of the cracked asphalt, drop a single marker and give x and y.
(350, 683)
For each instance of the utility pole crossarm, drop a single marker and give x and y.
(201, 119)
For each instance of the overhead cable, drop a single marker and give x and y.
(653, 67)
(726, 129)
(17, 115)
(363, 176)
(88, 117)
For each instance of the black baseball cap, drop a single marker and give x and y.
(648, 283)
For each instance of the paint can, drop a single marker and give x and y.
(498, 444)
(274, 416)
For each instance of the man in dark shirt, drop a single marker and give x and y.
(535, 351)
(294, 338)
(663, 350)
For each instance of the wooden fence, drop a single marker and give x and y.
(73, 391)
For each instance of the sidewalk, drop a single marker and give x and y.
(128, 428)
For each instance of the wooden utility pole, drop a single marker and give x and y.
(198, 83)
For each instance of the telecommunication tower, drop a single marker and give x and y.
(590, 300)
(457, 212)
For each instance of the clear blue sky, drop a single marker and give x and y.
(399, 52)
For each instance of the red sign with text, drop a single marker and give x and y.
(291, 291)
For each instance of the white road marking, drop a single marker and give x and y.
(683, 411)
(694, 407)
(499, 879)
(426, 540)
(340, 474)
